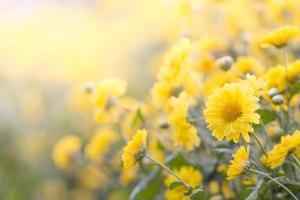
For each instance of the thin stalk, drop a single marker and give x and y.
(285, 62)
(169, 170)
(296, 159)
(264, 128)
(261, 146)
(271, 178)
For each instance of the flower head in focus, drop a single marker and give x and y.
(239, 163)
(134, 151)
(64, 149)
(230, 111)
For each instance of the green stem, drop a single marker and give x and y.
(296, 159)
(261, 146)
(285, 62)
(264, 128)
(269, 177)
(169, 170)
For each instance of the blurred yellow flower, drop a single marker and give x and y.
(64, 149)
(293, 71)
(128, 176)
(279, 37)
(99, 144)
(227, 191)
(189, 175)
(230, 111)
(264, 160)
(273, 129)
(288, 143)
(216, 80)
(184, 133)
(214, 187)
(108, 88)
(280, 80)
(175, 62)
(257, 84)
(239, 163)
(134, 151)
(92, 177)
(248, 65)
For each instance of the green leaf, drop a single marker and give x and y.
(198, 195)
(266, 116)
(177, 161)
(254, 193)
(148, 187)
(294, 89)
(174, 185)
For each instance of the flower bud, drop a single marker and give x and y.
(277, 99)
(273, 91)
(88, 87)
(225, 62)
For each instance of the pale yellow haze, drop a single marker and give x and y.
(78, 40)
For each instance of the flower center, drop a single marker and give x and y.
(232, 112)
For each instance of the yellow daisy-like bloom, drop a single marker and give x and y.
(175, 62)
(239, 163)
(287, 144)
(280, 80)
(230, 111)
(99, 144)
(110, 87)
(184, 133)
(257, 84)
(161, 91)
(294, 71)
(135, 149)
(279, 37)
(189, 175)
(217, 80)
(64, 149)
(92, 177)
(128, 176)
(246, 64)
(214, 187)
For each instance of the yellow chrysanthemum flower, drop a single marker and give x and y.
(127, 176)
(64, 149)
(99, 144)
(279, 37)
(184, 133)
(214, 187)
(287, 144)
(239, 163)
(161, 91)
(248, 65)
(217, 80)
(189, 175)
(92, 177)
(108, 88)
(293, 72)
(257, 84)
(175, 62)
(135, 149)
(280, 80)
(230, 111)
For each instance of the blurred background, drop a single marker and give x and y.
(50, 48)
